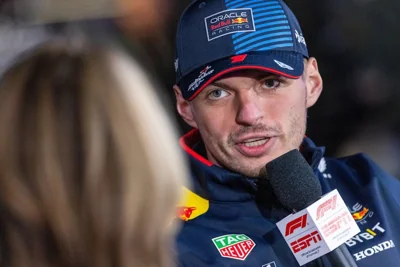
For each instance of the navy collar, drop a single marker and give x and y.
(218, 184)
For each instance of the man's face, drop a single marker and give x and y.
(249, 118)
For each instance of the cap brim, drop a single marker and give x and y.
(283, 63)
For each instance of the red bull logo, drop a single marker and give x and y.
(360, 215)
(191, 206)
(185, 212)
(229, 22)
(240, 21)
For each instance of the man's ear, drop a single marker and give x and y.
(183, 107)
(313, 81)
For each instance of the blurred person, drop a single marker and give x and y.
(88, 161)
(244, 83)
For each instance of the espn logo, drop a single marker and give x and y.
(338, 222)
(305, 242)
(300, 222)
(330, 204)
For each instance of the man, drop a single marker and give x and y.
(244, 83)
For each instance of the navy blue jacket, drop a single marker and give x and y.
(230, 220)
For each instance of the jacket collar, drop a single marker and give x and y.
(218, 184)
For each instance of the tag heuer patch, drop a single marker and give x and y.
(229, 22)
(234, 246)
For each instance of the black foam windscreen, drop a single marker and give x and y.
(293, 181)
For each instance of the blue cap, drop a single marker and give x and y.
(216, 37)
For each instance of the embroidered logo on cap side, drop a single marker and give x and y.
(283, 65)
(176, 64)
(300, 37)
(199, 80)
(229, 22)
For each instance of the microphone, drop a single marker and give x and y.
(320, 224)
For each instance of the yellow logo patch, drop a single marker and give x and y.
(191, 206)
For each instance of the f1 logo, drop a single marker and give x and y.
(330, 204)
(300, 222)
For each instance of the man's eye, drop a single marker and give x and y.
(217, 94)
(272, 83)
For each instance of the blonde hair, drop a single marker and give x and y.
(90, 169)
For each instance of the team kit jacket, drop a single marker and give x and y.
(230, 220)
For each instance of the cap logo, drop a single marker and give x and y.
(283, 65)
(300, 37)
(176, 64)
(203, 74)
(228, 22)
(238, 59)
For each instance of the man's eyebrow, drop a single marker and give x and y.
(267, 75)
(260, 76)
(221, 84)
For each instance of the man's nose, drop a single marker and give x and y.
(249, 109)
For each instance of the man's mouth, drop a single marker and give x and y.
(255, 142)
(255, 146)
